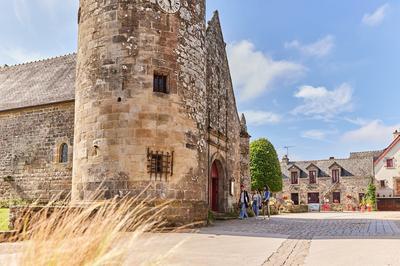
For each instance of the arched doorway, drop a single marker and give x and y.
(214, 187)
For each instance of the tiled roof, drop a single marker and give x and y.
(37, 83)
(356, 166)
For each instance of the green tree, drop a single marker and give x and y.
(264, 166)
(370, 197)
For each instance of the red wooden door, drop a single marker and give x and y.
(214, 187)
(214, 194)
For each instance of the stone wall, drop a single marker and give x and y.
(349, 188)
(30, 139)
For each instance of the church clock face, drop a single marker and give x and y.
(170, 6)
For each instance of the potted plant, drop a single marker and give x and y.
(370, 203)
(362, 205)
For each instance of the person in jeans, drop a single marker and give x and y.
(243, 203)
(266, 198)
(256, 198)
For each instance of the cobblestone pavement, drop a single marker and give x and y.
(308, 228)
(301, 231)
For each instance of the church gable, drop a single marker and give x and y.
(220, 94)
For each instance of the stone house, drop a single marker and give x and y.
(147, 102)
(340, 181)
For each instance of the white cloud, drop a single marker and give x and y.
(376, 17)
(254, 72)
(259, 118)
(374, 133)
(19, 55)
(21, 11)
(321, 103)
(357, 121)
(314, 134)
(320, 48)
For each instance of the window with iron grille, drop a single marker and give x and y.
(160, 164)
(160, 83)
(383, 183)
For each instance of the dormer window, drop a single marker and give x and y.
(294, 178)
(389, 163)
(335, 175)
(313, 177)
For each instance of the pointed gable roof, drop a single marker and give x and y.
(294, 167)
(387, 150)
(312, 165)
(335, 164)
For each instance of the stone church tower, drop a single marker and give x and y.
(144, 115)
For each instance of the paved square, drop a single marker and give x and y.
(295, 239)
(324, 238)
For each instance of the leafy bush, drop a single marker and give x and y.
(13, 202)
(210, 218)
(370, 197)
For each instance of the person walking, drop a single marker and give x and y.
(243, 203)
(256, 202)
(266, 198)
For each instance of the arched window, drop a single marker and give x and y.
(64, 153)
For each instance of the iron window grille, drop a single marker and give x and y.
(160, 164)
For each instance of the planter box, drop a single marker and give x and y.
(314, 208)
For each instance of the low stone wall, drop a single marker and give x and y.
(177, 214)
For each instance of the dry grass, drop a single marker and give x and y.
(89, 235)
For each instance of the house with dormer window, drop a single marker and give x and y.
(341, 182)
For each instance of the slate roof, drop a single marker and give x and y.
(37, 83)
(361, 165)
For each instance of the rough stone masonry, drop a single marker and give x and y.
(153, 107)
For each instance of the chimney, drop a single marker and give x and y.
(285, 159)
(396, 134)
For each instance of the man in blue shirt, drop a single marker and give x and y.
(266, 197)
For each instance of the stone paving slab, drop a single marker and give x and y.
(354, 252)
(203, 249)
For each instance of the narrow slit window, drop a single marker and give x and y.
(63, 153)
(160, 83)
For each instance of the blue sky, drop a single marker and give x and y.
(323, 76)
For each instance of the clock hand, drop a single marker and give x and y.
(170, 3)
